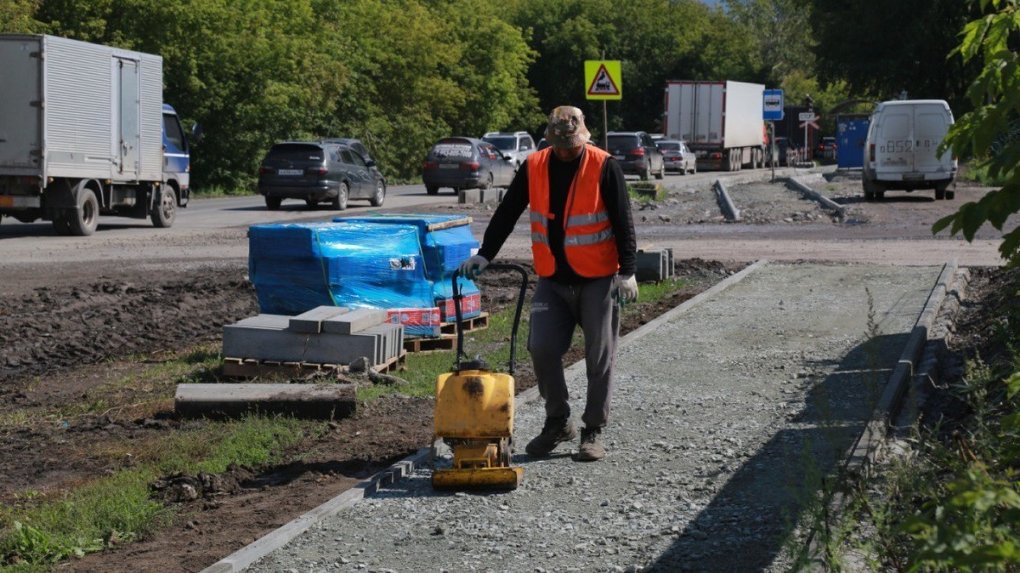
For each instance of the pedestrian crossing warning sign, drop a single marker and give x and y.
(603, 80)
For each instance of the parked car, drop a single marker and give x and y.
(316, 171)
(516, 146)
(637, 153)
(678, 156)
(465, 163)
(827, 148)
(358, 147)
(542, 144)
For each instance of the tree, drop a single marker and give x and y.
(989, 132)
(883, 47)
(781, 31)
(18, 16)
(655, 40)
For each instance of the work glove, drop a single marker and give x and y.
(628, 290)
(473, 266)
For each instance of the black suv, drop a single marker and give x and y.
(637, 153)
(318, 171)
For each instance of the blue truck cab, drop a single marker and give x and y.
(176, 156)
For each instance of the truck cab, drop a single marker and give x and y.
(176, 156)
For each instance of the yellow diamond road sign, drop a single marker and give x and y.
(602, 79)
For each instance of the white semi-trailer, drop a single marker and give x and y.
(720, 121)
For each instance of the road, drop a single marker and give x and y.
(215, 230)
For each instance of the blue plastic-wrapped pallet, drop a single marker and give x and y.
(446, 241)
(296, 267)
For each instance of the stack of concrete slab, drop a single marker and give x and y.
(323, 335)
(654, 265)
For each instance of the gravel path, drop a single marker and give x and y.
(725, 417)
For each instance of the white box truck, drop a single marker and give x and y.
(721, 121)
(84, 131)
(901, 146)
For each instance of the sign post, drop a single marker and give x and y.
(603, 81)
(772, 111)
(807, 119)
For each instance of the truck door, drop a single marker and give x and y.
(129, 126)
(895, 143)
(20, 105)
(930, 127)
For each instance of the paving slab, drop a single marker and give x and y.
(727, 414)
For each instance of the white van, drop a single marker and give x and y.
(903, 137)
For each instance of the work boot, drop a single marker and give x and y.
(554, 432)
(591, 448)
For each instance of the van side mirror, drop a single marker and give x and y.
(196, 133)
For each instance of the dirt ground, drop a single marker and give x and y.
(53, 371)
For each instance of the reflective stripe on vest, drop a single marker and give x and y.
(589, 243)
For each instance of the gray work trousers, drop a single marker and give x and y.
(556, 310)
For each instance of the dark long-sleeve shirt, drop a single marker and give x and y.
(561, 173)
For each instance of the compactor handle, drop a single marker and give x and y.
(457, 296)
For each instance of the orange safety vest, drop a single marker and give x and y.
(588, 239)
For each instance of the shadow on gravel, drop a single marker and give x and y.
(750, 520)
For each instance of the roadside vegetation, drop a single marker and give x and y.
(400, 75)
(42, 530)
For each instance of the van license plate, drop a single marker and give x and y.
(618, 157)
(290, 172)
(449, 165)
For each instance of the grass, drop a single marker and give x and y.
(978, 172)
(951, 502)
(493, 345)
(41, 529)
(217, 191)
(44, 530)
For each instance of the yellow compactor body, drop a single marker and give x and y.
(475, 410)
(475, 416)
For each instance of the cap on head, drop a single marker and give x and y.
(566, 128)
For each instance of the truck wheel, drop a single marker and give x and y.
(340, 201)
(432, 189)
(940, 192)
(312, 203)
(950, 195)
(871, 189)
(84, 220)
(273, 203)
(380, 194)
(165, 211)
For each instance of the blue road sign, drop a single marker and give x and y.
(772, 105)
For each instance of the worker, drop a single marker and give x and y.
(583, 246)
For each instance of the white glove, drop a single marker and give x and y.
(473, 266)
(628, 288)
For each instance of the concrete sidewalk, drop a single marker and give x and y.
(728, 412)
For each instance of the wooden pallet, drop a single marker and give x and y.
(251, 368)
(444, 342)
(479, 322)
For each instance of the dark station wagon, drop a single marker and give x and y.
(317, 172)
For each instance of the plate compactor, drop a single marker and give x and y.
(475, 411)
